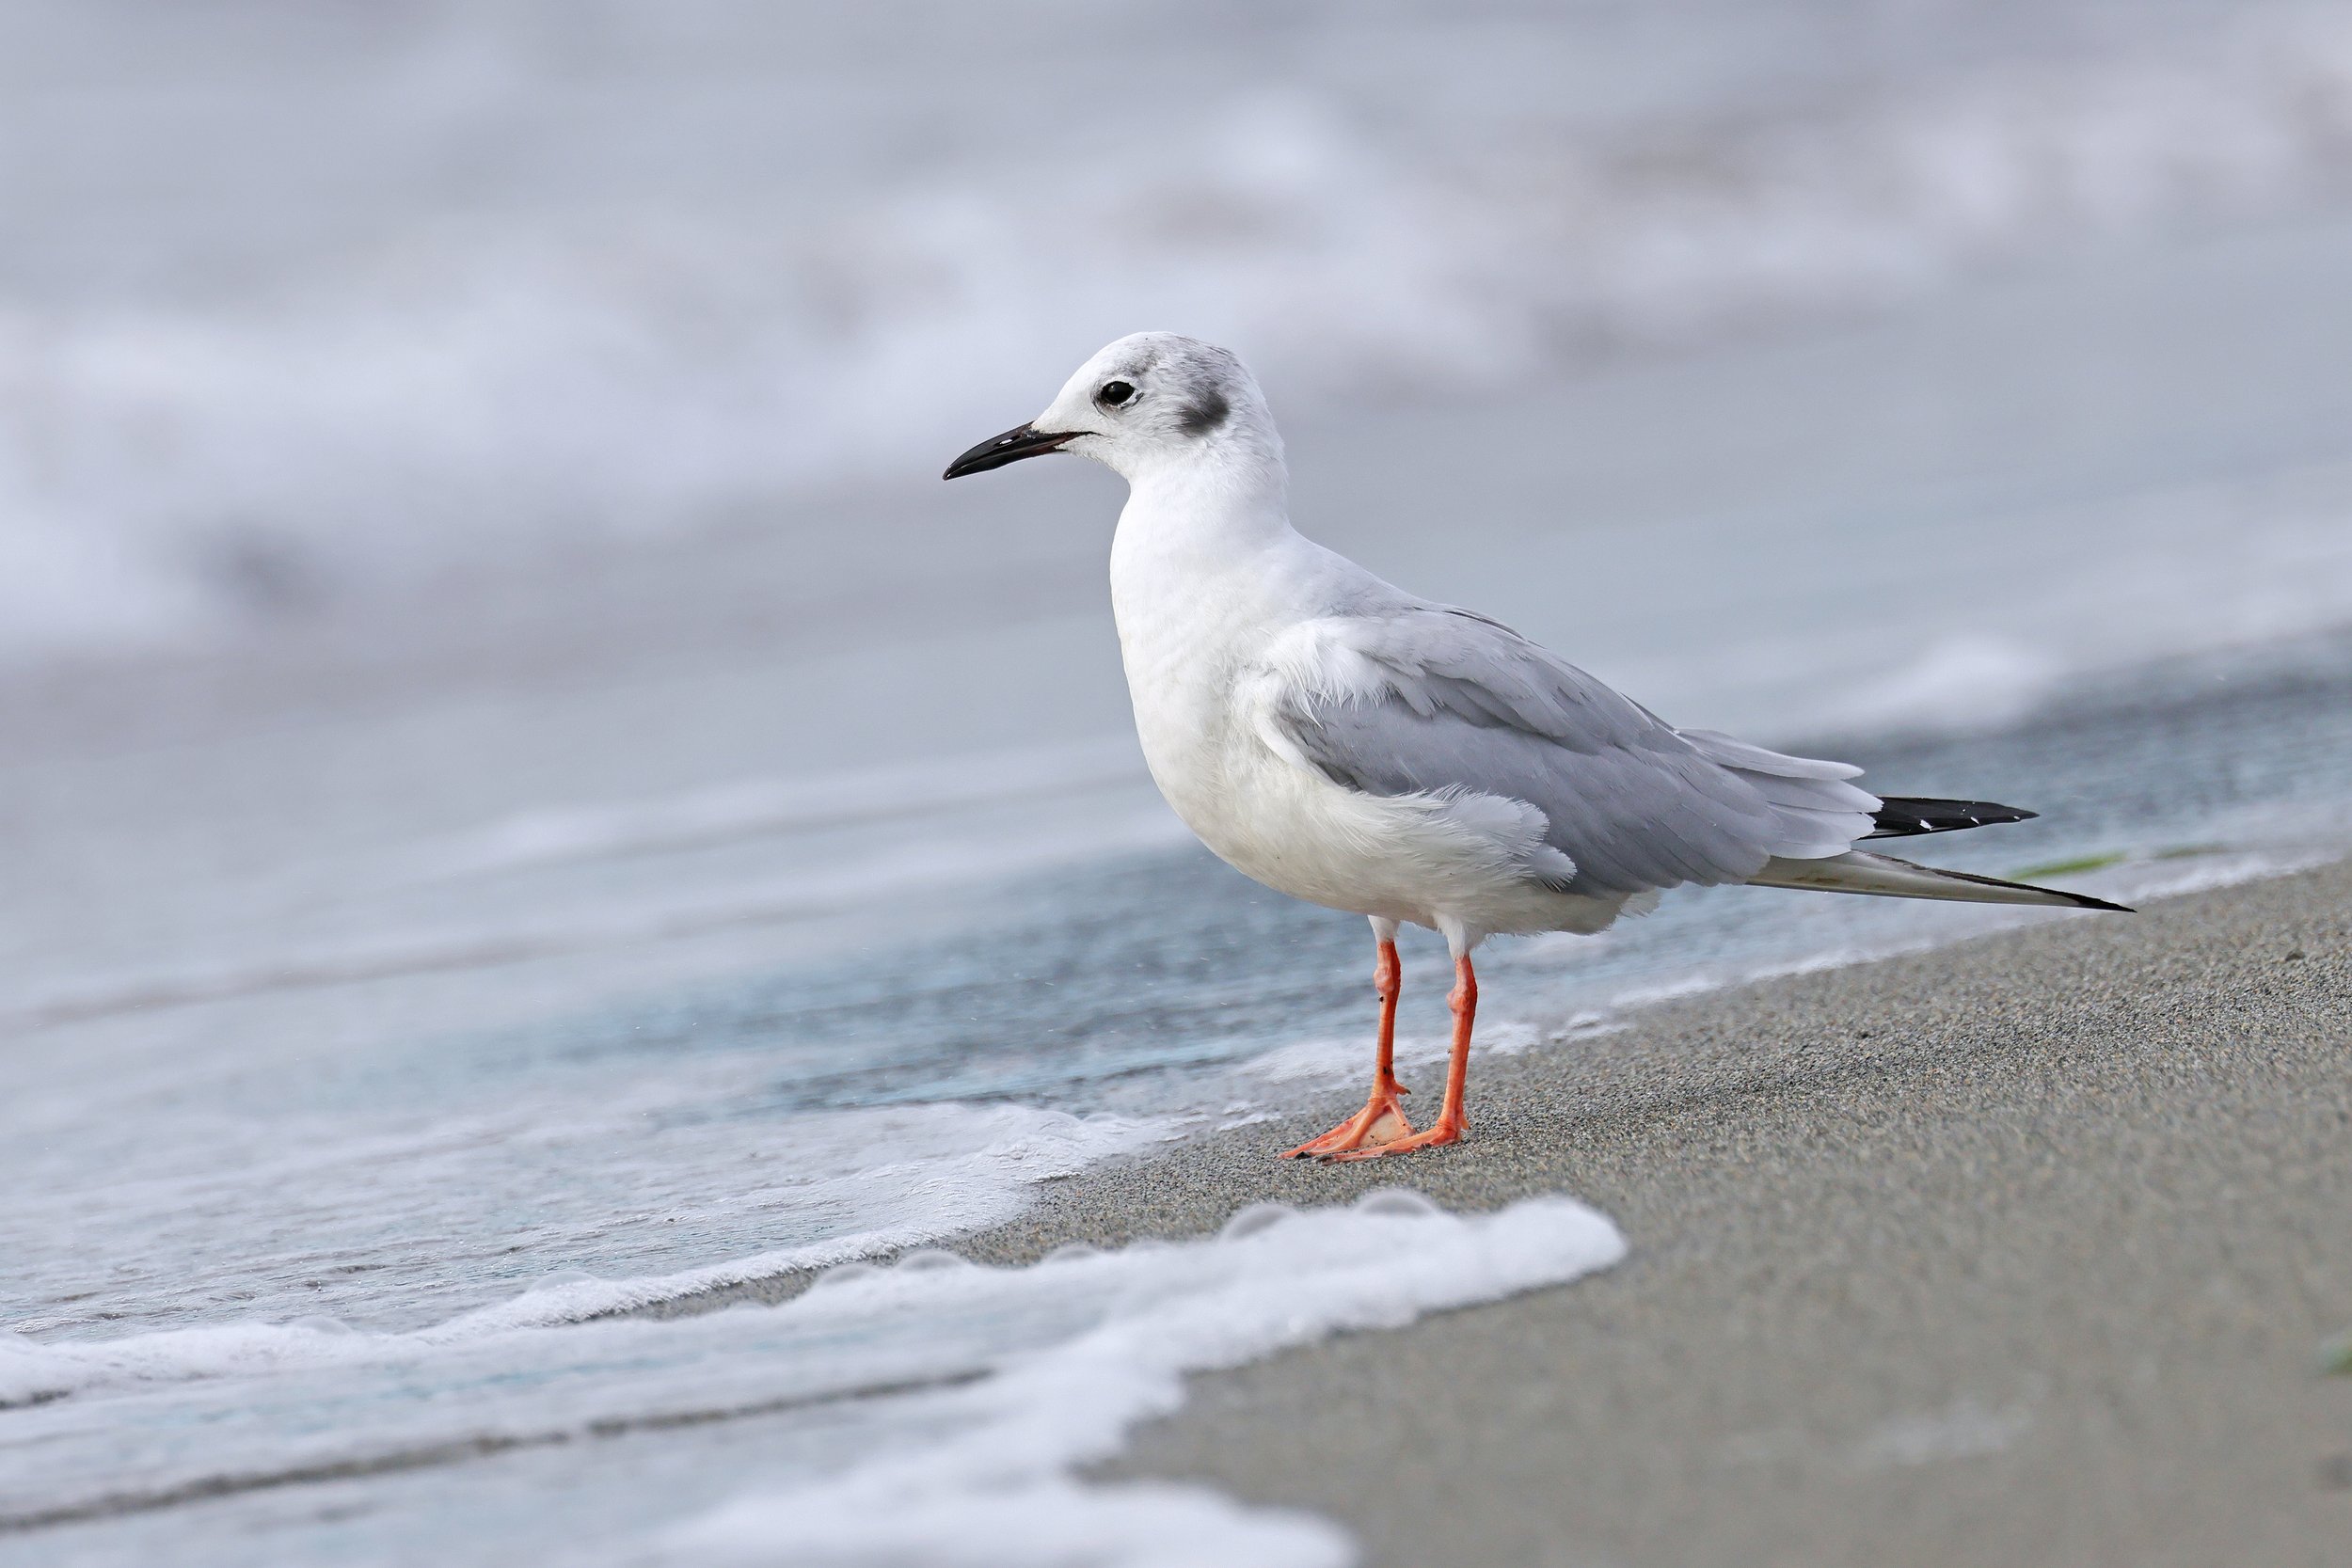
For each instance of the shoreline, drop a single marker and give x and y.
(2019, 1249)
(2022, 1249)
(1608, 1093)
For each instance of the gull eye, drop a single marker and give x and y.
(1114, 393)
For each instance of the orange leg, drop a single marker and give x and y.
(1451, 1123)
(1382, 1119)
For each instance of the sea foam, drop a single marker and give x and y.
(929, 1409)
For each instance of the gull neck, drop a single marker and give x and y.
(1214, 503)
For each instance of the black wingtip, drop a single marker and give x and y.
(2084, 901)
(1907, 815)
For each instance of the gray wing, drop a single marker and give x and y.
(1461, 705)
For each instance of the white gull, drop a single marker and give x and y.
(1347, 743)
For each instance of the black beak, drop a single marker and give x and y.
(1011, 447)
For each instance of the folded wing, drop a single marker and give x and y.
(1444, 702)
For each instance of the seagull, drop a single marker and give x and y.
(1350, 744)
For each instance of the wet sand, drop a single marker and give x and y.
(2021, 1251)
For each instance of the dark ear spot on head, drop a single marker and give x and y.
(1204, 413)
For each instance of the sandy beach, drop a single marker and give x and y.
(2024, 1250)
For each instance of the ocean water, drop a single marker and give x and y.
(303, 1265)
(312, 1254)
(295, 315)
(932, 1411)
(527, 799)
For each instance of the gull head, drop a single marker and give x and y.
(1149, 402)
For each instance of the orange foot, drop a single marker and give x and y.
(1435, 1137)
(1379, 1124)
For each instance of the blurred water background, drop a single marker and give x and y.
(512, 765)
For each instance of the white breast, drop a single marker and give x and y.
(1185, 637)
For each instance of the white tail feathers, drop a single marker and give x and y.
(1885, 877)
